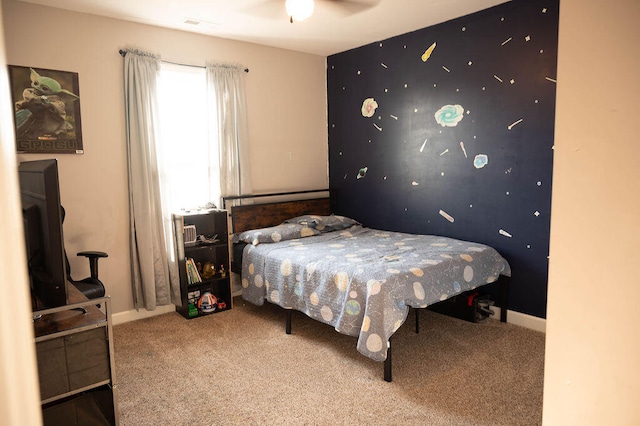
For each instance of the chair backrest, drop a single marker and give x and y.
(67, 265)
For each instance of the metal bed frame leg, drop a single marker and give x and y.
(504, 297)
(387, 364)
(288, 320)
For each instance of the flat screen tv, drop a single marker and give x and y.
(42, 218)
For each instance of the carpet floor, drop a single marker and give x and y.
(239, 367)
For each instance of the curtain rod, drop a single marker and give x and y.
(123, 52)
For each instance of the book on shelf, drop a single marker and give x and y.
(193, 276)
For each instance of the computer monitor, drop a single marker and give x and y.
(42, 218)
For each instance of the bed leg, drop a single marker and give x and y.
(504, 297)
(288, 321)
(417, 321)
(387, 364)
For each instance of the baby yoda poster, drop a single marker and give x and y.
(47, 110)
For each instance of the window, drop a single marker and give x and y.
(188, 147)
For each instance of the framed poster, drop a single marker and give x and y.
(47, 110)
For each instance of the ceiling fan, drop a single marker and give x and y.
(298, 10)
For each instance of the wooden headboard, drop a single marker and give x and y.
(253, 216)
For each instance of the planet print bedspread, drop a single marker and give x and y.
(362, 281)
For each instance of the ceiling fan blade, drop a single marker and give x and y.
(268, 9)
(348, 7)
(275, 9)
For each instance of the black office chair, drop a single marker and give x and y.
(91, 286)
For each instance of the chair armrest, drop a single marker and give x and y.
(93, 257)
(92, 254)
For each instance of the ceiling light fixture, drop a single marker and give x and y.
(299, 10)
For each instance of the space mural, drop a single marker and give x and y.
(449, 130)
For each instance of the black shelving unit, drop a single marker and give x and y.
(211, 247)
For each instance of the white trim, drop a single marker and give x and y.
(523, 320)
(513, 317)
(133, 315)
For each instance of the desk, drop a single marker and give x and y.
(64, 318)
(75, 362)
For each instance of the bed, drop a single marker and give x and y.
(361, 281)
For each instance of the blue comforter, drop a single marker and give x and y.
(362, 281)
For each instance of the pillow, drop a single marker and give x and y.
(306, 220)
(324, 223)
(274, 234)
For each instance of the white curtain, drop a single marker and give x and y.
(154, 271)
(225, 89)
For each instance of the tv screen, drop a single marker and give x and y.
(42, 216)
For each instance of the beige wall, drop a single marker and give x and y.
(286, 97)
(592, 369)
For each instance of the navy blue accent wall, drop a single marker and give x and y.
(449, 130)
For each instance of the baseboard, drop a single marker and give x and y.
(523, 320)
(133, 315)
(513, 317)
